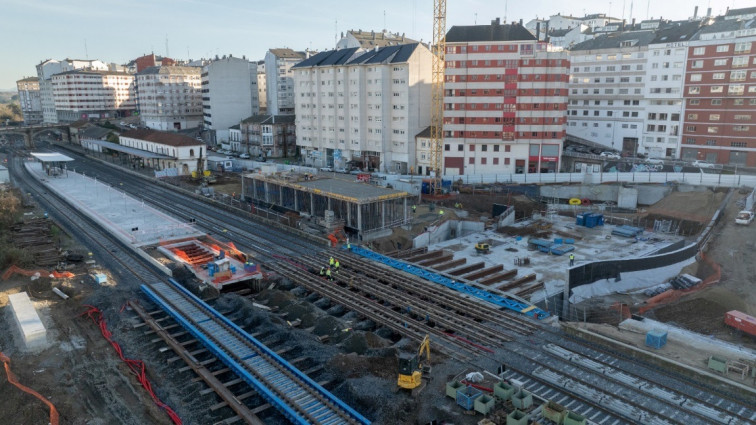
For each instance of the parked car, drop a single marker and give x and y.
(244, 156)
(326, 169)
(610, 155)
(744, 217)
(341, 170)
(702, 164)
(655, 161)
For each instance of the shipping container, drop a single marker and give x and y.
(741, 321)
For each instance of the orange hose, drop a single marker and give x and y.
(54, 419)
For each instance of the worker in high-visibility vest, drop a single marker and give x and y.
(440, 212)
(322, 271)
(414, 209)
(572, 259)
(336, 267)
(328, 274)
(330, 262)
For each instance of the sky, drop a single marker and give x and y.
(118, 31)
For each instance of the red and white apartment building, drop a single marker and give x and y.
(505, 101)
(720, 93)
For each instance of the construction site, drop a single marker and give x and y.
(498, 304)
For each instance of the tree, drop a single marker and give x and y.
(112, 138)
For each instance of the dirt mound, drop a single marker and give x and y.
(691, 206)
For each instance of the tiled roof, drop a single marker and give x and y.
(329, 57)
(388, 54)
(171, 70)
(287, 53)
(683, 32)
(268, 119)
(163, 137)
(426, 133)
(28, 79)
(493, 32)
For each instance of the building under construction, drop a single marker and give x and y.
(363, 209)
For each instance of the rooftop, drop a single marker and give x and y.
(345, 190)
(353, 56)
(617, 40)
(493, 32)
(171, 70)
(92, 72)
(163, 137)
(52, 157)
(683, 32)
(270, 119)
(370, 39)
(287, 53)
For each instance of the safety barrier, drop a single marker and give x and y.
(501, 301)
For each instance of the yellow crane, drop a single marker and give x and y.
(438, 48)
(411, 368)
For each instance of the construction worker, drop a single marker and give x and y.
(328, 274)
(322, 271)
(572, 259)
(441, 213)
(330, 262)
(336, 267)
(349, 245)
(414, 209)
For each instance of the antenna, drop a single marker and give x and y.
(335, 32)
(384, 19)
(187, 53)
(166, 47)
(86, 51)
(476, 19)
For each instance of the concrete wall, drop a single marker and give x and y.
(646, 194)
(449, 229)
(627, 198)
(4, 176)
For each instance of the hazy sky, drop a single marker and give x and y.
(118, 31)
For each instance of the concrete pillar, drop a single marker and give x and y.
(349, 214)
(566, 301)
(296, 201)
(267, 192)
(383, 213)
(359, 218)
(404, 213)
(28, 141)
(312, 205)
(280, 194)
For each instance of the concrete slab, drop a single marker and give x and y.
(591, 244)
(30, 326)
(129, 219)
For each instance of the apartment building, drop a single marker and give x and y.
(607, 103)
(83, 94)
(371, 39)
(170, 97)
(29, 100)
(269, 136)
(229, 94)
(720, 92)
(664, 79)
(262, 87)
(363, 108)
(505, 101)
(46, 69)
(280, 80)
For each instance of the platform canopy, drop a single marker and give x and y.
(128, 150)
(52, 157)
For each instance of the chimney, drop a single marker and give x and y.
(546, 31)
(633, 27)
(520, 21)
(538, 31)
(708, 12)
(496, 22)
(695, 12)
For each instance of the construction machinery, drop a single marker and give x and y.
(411, 369)
(482, 248)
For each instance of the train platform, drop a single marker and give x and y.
(129, 219)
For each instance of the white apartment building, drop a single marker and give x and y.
(607, 89)
(29, 100)
(363, 108)
(262, 87)
(664, 80)
(50, 67)
(170, 97)
(183, 151)
(422, 152)
(280, 80)
(82, 95)
(229, 94)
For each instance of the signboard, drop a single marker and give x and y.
(363, 177)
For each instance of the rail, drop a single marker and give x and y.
(300, 399)
(509, 303)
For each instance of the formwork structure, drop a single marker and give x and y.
(363, 208)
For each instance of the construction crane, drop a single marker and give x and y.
(411, 369)
(438, 48)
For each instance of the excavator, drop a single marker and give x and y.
(411, 369)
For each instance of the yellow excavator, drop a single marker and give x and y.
(411, 368)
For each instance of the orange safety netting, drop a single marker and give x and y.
(675, 294)
(54, 417)
(136, 366)
(18, 270)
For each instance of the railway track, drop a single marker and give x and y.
(624, 409)
(297, 397)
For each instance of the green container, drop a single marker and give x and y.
(503, 391)
(554, 412)
(720, 365)
(518, 418)
(522, 399)
(484, 404)
(452, 387)
(573, 418)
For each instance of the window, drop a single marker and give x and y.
(718, 76)
(713, 117)
(712, 130)
(723, 48)
(694, 90)
(460, 148)
(711, 142)
(716, 101)
(693, 117)
(446, 147)
(697, 64)
(736, 89)
(740, 128)
(699, 51)
(739, 61)
(742, 47)
(720, 62)
(742, 117)
(471, 161)
(717, 89)
(695, 77)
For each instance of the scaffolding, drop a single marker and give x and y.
(362, 207)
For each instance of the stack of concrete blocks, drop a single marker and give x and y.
(29, 324)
